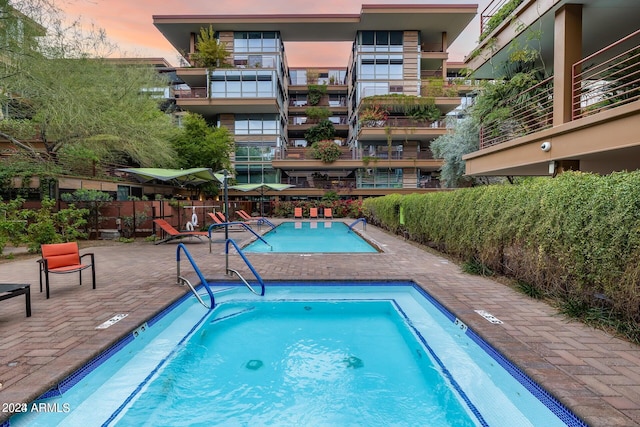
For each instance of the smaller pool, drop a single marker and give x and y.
(311, 237)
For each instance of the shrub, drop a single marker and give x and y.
(326, 151)
(570, 238)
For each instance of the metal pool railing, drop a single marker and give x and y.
(182, 280)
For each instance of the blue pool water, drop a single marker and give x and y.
(311, 237)
(305, 354)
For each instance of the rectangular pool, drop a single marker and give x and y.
(307, 353)
(311, 237)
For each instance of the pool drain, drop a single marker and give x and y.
(254, 365)
(353, 362)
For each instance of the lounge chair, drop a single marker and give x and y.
(246, 217)
(175, 234)
(62, 258)
(313, 213)
(297, 213)
(327, 213)
(218, 219)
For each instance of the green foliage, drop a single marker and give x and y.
(330, 196)
(425, 112)
(12, 223)
(318, 113)
(499, 17)
(529, 289)
(475, 267)
(572, 237)
(340, 208)
(316, 92)
(327, 151)
(200, 145)
(48, 226)
(451, 147)
(210, 52)
(322, 131)
(397, 103)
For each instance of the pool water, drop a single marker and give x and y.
(311, 237)
(306, 354)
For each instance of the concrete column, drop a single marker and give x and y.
(567, 50)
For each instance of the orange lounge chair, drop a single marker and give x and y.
(313, 213)
(297, 213)
(61, 258)
(175, 234)
(246, 217)
(218, 218)
(327, 213)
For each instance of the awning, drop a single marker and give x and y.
(193, 176)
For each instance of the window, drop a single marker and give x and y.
(242, 84)
(381, 41)
(253, 41)
(256, 124)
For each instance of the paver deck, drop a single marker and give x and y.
(591, 372)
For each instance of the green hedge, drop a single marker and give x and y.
(573, 238)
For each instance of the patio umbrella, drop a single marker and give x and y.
(262, 187)
(192, 176)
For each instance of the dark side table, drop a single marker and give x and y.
(13, 290)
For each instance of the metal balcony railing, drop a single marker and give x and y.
(528, 112)
(196, 92)
(607, 79)
(403, 122)
(492, 15)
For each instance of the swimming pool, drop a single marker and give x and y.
(305, 354)
(311, 237)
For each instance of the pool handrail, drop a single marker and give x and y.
(246, 261)
(362, 220)
(223, 224)
(263, 220)
(180, 279)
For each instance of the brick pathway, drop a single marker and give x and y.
(594, 374)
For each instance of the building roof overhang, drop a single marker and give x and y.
(430, 19)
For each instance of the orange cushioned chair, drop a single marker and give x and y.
(327, 213)
(62, 258)
(297, 212)
(313, 213)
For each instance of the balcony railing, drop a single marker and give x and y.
(601, 82)
(196, 92)
(403, 122)
(495, 13)
(526, 113)
(369, 160)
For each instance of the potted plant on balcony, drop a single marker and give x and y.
(210, 52)
(373, 116)
(326, 151)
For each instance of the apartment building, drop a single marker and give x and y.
(586, 114)
(385, 105)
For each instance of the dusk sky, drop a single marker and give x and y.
(129, 24)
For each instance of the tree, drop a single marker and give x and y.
(462, 139)
(321, 131)
(200, 145)
(210, 52)
(63, 93)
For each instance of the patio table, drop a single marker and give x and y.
(11, 290)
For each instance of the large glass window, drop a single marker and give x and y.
(242, 84)
(255, 152)
(380, 67)
(381, 41)
(256, 124)
(253, 41)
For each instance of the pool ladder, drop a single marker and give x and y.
(223, 224)
(181, 280)
(362, 220)
(246, 261)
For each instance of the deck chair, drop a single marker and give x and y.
(246, 217)
(62, 258)
(175, 234)
(219, 219)
(327, 213)
(297, 213)
(313, 213)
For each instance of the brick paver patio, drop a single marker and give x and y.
(593, 373)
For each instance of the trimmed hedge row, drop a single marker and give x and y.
(574, 238)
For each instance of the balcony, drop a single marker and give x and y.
(607, 79)
(526, 113)
(400, 128)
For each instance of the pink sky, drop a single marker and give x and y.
(129, 24)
